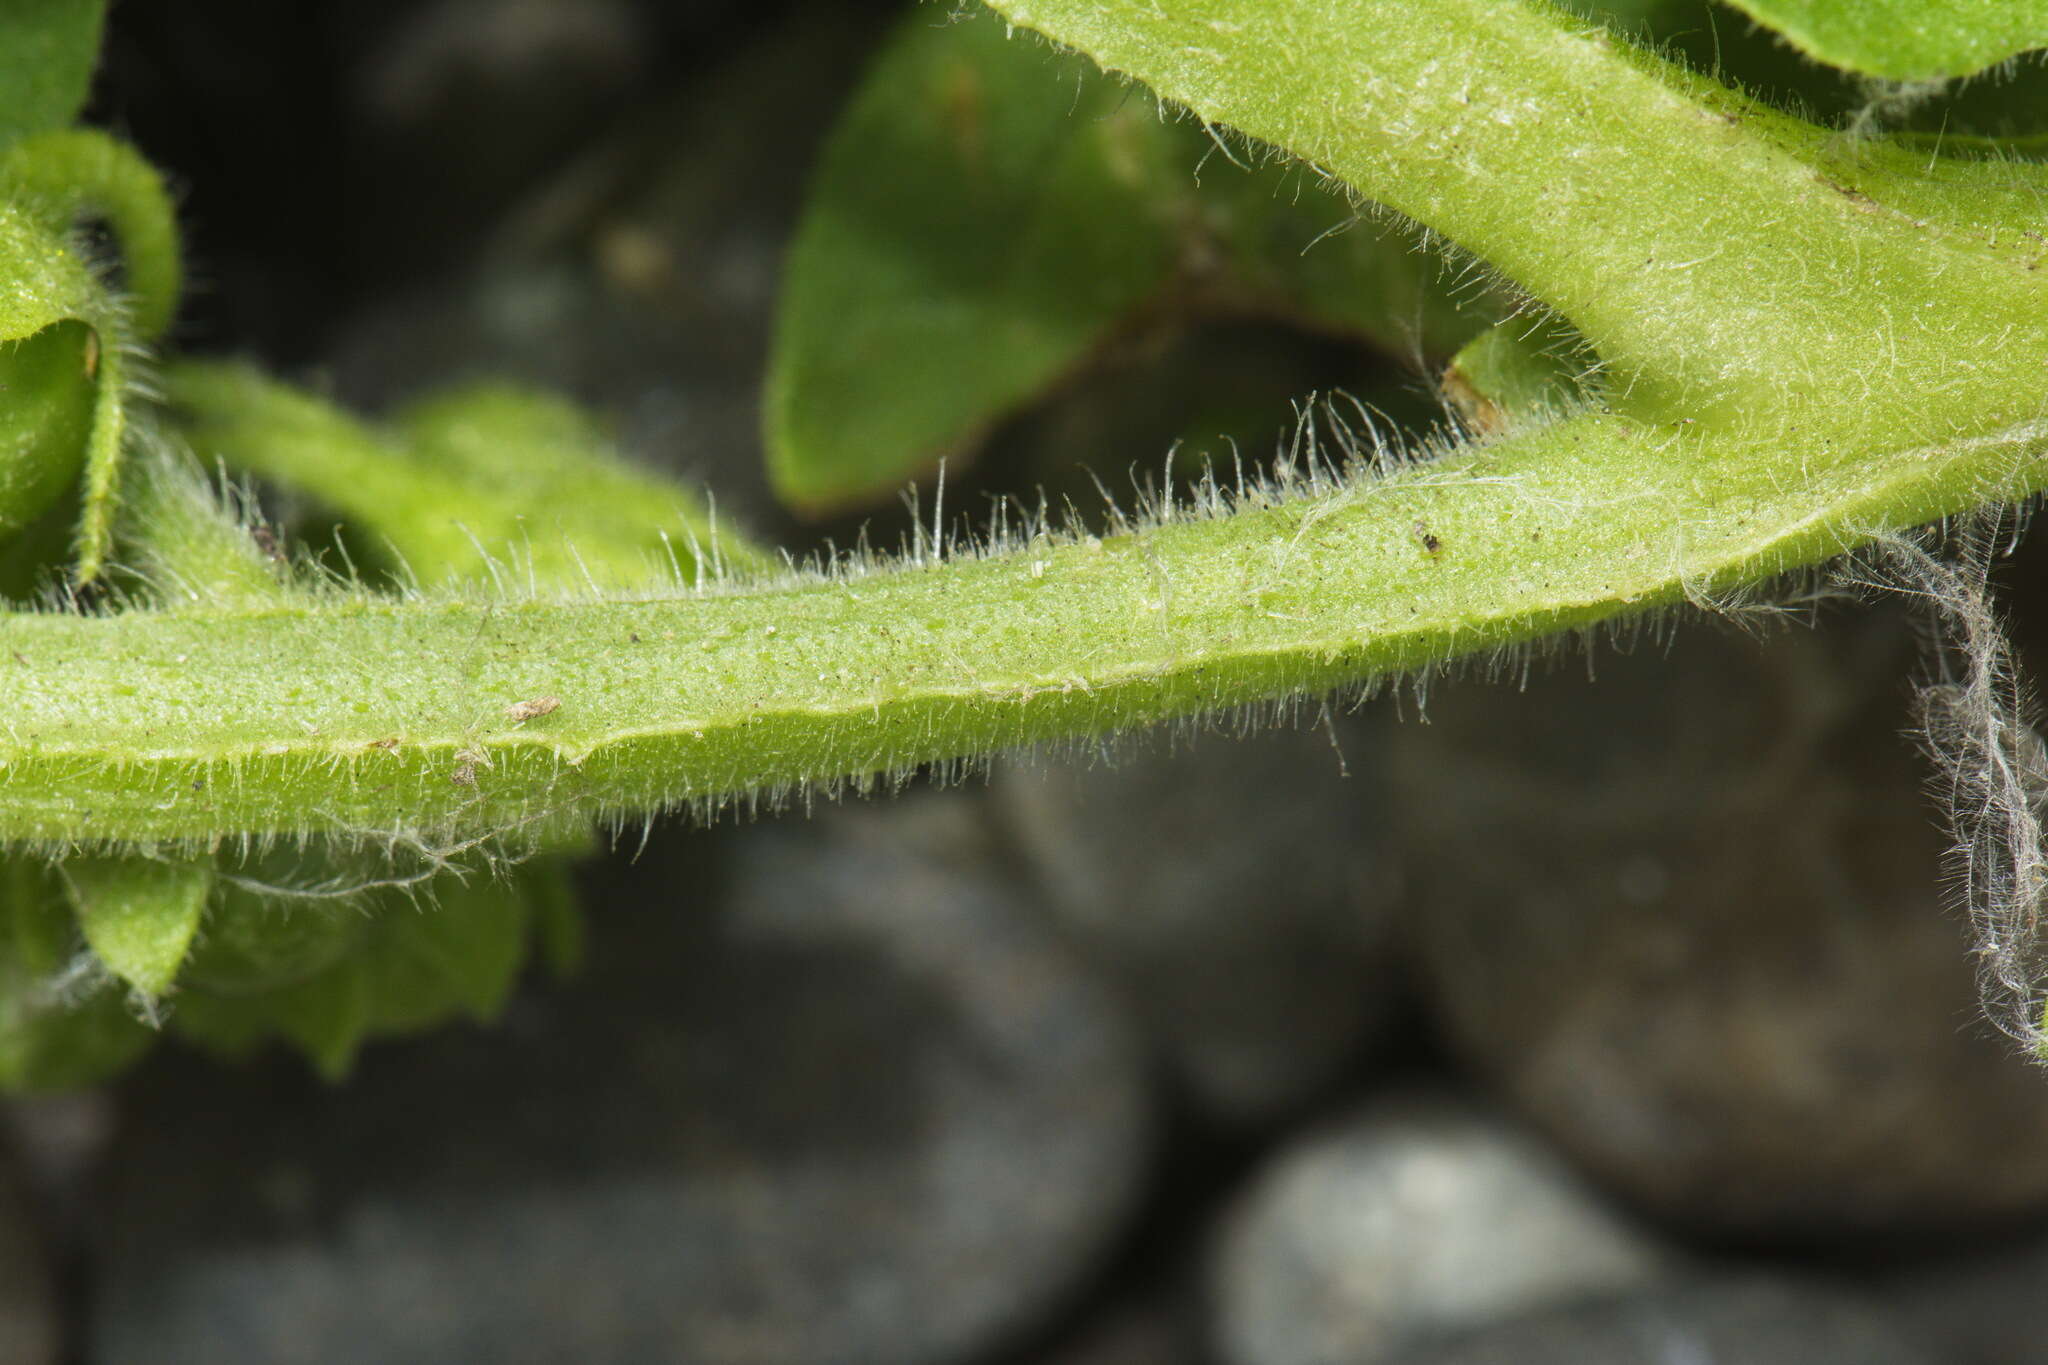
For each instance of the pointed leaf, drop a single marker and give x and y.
(329, 1016)
(586, 512)
(1029, 209)
(1906, 39)
(459, 954)
(492, 476)
(974, 226)
(48, 364)
(139, 914)
(51, 1038)
(1520, 369)
(48, 49)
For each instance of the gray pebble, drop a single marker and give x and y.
(854, 1108)
(1986, 1308)
(1234, 888)
(1737, 1323)
(1414, 1218)
(1691, 918)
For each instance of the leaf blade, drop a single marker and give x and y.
(48, 49)
(1905, 40)
(139, 915)
(1033, 213)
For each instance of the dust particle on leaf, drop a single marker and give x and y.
(520, 712)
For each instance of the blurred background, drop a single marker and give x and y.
(1614, 1014)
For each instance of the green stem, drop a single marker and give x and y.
(372, 717)
(1798, 363)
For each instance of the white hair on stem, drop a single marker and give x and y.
(1990, 766)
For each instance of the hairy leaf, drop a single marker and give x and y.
(1723, 259)
(487, 483)
(1520, 371)
(48, 362)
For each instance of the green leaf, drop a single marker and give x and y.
(48, 1044)
(49, 184)
(327, 974)
(46, 418)
(48, 49)
(975, 224)
(458, 954)
(139, 914)
(588, 516)
(252, 942)
(48, 362)
(1026, 209)
(486, 483)
(1906, 39)
(55, 1033)
(184, 548)
(326, 1016)
(329, 1016)
(1522, 370)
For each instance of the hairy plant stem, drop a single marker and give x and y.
(1795, 362)
(378, 717)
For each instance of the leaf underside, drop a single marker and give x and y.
(1905, 40)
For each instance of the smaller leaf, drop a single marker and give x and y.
(1905, 40)
(54, 1034)
(486, 480)
(252, 943)
(1032, 210)
(974, 226)
(557, 916)
(49, 184)
(459, 954)
(48, 49)
(327, 975)
(1518, 369)
(326, 1016)
(72, 175)
(186, 547)
(329, 1016)
(587, 512)
(46, 419)
(139, 914)
(50, 1045)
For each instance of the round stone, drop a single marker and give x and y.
(842, 1101)
(1414, 1218)
(1692, 917)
